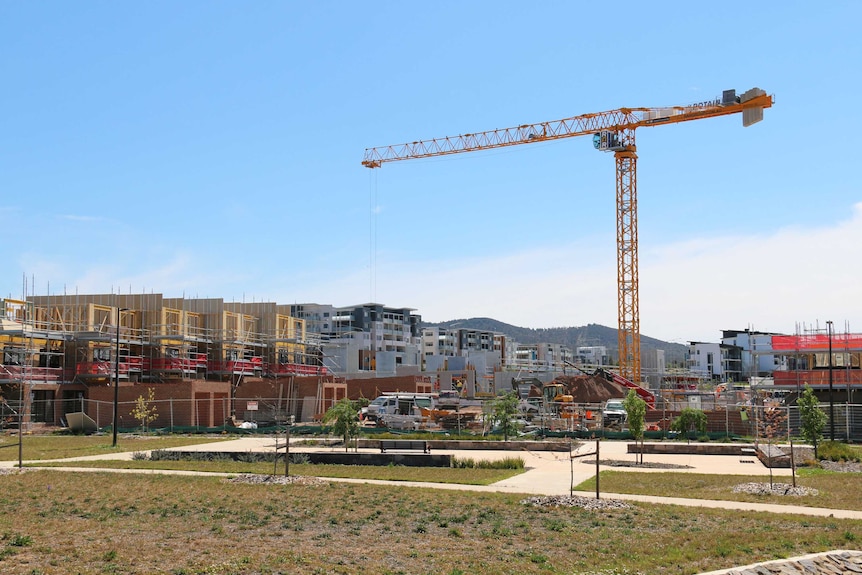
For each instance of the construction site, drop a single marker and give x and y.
(64, 354)
(206, 364)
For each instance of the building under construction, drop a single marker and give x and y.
(60, 351)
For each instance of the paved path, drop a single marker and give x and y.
(548, 472)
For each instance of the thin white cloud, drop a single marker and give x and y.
(79, 218)
(689, 290)
(769, 282)
(557, 286)
(178, 274)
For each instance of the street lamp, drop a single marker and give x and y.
(117, 378)
(831, 400)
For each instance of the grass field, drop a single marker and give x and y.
(836, 490)
(37, 447)
(388, 473)
(58, 522)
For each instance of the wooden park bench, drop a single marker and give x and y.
(404, 445)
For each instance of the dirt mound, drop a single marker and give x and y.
(591, 388)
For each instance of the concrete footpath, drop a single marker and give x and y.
(548, 472)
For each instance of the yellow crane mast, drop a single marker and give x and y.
(612, 131)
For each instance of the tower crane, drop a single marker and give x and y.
(612, 131)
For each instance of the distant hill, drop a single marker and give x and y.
(573, 337)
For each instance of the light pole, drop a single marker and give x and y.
(831, 400)
(117, 378)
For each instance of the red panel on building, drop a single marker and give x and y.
(816, 342)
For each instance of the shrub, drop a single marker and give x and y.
(505, 463)
(140, 456)
(689, 419)
(299, 458)
(837, 451)
(18, 540)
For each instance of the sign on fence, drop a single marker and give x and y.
(251, 406)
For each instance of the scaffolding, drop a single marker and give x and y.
(809, 361)
(54, 348)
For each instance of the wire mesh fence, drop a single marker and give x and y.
(737, 420)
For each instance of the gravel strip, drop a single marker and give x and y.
(644, 465)
(774, 489)
(842, 466)
(588, 503)
(258, 478)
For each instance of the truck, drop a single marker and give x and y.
(613, 413)
(398, 409)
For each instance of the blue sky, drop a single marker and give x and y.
(213, 149)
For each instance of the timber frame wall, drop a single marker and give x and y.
(56, 348)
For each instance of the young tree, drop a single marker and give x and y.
(635, 415)
(772, 424)
(690, 419)
(144, 410)
(344, 417)
(505, 409)
(812, 419)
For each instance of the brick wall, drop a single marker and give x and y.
(172, 401)
(371, 388)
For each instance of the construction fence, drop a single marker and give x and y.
(167, 415)
(577, 420)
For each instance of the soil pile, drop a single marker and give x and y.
(591, 388)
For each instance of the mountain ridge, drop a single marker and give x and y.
(573, 337)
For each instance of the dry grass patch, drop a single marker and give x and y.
(465, 476)
(57, 523)
(834, 490)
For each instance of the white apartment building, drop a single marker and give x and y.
(542, 357)
(592, 355)
(755, 358)
(704, 359)
(365, 337)
(479, 348)
(713, 361)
